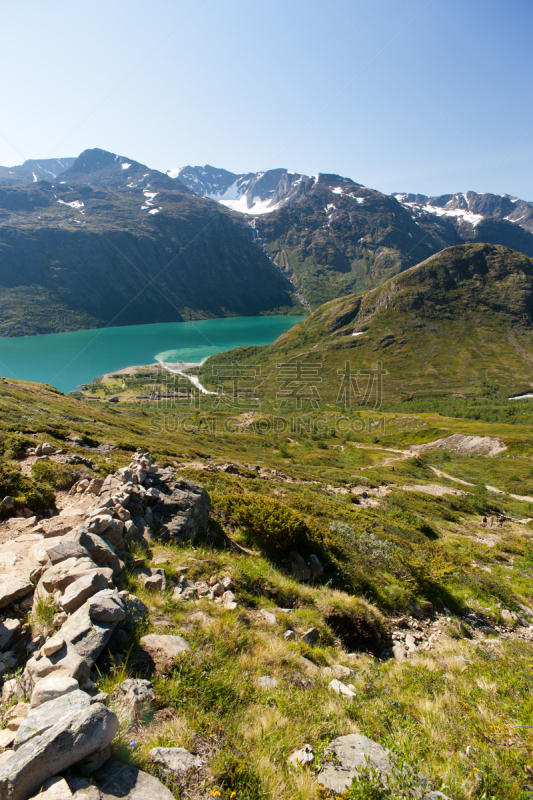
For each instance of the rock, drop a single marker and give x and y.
(300, 570)
(136, 697)
(163, 649)
(230, 605)
(152, 577)
(64, 663)
(80, 591)
(227, 583)
(8, 629)
(218, 589)
(58, 748)
(45, 715)
(52, 646)
(308, 666)
(351, 754)
(176, 759)
(50, 688)
(54, 789)
(269, 617)
(95, 485)
(310, 636)
(339, 687)
(15, 571)
(85, 634)
(47, 449)
(100, 551)
(303, 756)
(399, 652)
(136, 610)
(154, 582)
(315, 567)
(116, 780)
(107, 609)
(8, 503)
(266, 682)
(337, 671)
(7, 738)
(289, 636)
(184, 513)
(64, 550)
(16, 716)
(94, 761)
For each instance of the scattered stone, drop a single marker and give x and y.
(310, 636)
(337, 671)
(340, 688)
(308, 666)
(163, 649)
(269, 617)
(58, 748)
(266, 682)
(8, 503)
(303, 756)
(218, 589)
(16, 716)
(176, 759)
(51, 688)
(289, 636)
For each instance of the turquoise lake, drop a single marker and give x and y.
(66, 360)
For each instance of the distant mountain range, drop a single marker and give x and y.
(332, 236)
(102, 239)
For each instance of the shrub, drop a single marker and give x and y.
(60, 476)
(272, 525)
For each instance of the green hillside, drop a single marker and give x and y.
(459, 322)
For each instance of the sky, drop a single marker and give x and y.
(430, 96)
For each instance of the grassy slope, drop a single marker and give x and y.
(412, 547)
(458, 322)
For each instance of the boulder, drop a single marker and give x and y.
(54, 789)
(107, 608)
(315, 567)
(64, 663)
(175, 759)
(50, 688)
(299, 567)
(57, 749)
(184, 513)
(52, 645)
(163, 649)
(85, 634)
(80, 590)
(116, 780)
(8, 629)
(15, 571)
(64, 550)
(45, 715)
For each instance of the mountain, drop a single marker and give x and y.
(461, 321)
(251, 193)
(32, 171)
(115, 243)
(332, 236)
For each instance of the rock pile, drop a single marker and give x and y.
(80, 570)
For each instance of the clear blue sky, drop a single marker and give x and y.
(400, 95)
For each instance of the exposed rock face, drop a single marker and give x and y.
(55, 750)
(184, 513)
